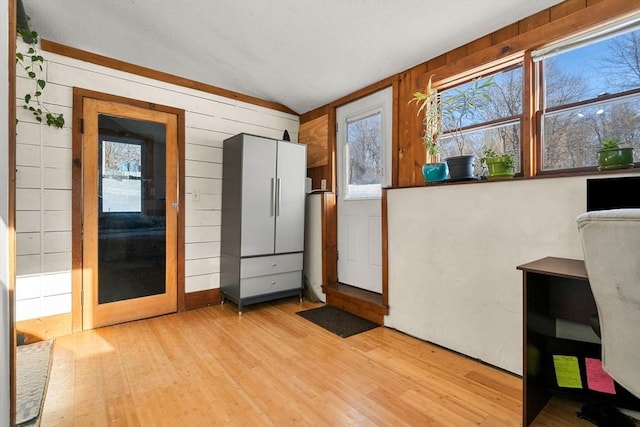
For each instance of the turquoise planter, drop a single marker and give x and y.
(434, 172)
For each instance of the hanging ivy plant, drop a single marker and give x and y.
(32, 63)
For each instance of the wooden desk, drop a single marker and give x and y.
(557, 290)
(553, 288)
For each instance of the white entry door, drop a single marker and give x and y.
(364, 167)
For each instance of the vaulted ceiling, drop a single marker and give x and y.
(299, 53)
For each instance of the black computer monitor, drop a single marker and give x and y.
(613, 193)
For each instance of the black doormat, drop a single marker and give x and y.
(338, 321)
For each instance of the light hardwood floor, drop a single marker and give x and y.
(270, 367)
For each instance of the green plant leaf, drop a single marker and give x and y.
(27, 61)
(609, 143)
(55, 120)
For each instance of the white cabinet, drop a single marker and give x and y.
(263, 208)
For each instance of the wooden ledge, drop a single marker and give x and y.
(357, 301)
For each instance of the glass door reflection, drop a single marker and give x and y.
(131, 209)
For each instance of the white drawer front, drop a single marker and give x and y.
(253, 286)
(273, 264)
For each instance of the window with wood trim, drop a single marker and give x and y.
(491, 120)
(589, 91)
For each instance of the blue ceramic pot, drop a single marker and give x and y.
(434, 172)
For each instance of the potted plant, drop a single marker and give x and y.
(613, 156)
(433, 170)
(499, 166)
(450, 112)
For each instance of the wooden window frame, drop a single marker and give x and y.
(540, 113)
(487, 70)
(531, 141)
(556, 24)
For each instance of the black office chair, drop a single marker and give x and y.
(611, 246)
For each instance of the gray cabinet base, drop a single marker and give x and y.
(241, 302)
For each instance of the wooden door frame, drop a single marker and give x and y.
(329, 207)
(77, 196)
(11, 204)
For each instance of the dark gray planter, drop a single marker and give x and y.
(460, 167)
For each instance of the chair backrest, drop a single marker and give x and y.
(611, 245)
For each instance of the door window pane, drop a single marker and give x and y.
(121, 179)
(132, 213)
(364, 157)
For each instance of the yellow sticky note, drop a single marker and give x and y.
(567, 371)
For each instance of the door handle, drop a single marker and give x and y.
(175, 205)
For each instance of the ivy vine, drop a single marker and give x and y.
(32, 62)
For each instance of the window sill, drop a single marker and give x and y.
(543, 175)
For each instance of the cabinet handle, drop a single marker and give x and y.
(278, 198)
(273, 199)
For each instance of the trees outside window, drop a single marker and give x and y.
(495, 120)
(364, 155)
(589, 92)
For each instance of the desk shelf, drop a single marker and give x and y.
(556, 290)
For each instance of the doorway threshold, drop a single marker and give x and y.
(357, 301)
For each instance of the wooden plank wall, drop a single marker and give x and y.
(315, 134)
(566, 18)
(320, 156)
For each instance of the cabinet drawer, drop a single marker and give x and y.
(272, 264)
(260, 285)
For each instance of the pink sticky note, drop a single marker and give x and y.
(597, 378)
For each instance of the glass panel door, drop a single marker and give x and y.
(130, 213)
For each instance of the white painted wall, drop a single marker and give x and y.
(43, 284)
(4, 213)
(453, 253)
